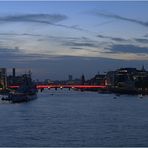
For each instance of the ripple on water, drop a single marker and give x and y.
(70, 118)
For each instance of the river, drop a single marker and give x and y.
(71, 118)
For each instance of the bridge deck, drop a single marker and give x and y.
(65, 86)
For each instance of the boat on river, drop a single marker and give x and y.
(26, 92)
(22, 96)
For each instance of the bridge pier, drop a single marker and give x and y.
(82, 89)
(41, 89)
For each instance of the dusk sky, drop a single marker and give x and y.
(55, 39)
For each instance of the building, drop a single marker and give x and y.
(98, 79)
(110, 78)
(13, 72)
(17, 80)
(70, 78)
(3, 78)
(127, 79)
(83, 79)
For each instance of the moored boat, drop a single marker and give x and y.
(26, 92)
(22, 97)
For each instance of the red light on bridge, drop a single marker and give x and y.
(14, 86)
(64, 86)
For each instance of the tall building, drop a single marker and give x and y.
(3, 78)
(13, 72)
(82, 79)
(70, 78)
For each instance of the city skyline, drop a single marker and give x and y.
(55, 39)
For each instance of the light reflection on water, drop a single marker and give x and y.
(70, 118)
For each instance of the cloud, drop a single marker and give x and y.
(141, 40)
(21, 34)
(118, 17)
(35, 18)
(70, 46)
(79, 44)
(8, 50)
(79, 48)
(121, 40)
(128, 49)
(146, 35)
(15, 55)
(49, 19)
(104, 23)
(51, 45)
(112, 38)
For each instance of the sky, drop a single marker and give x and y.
(56, 39)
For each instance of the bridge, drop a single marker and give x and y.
(56, 86)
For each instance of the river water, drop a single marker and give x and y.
(71, 118)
